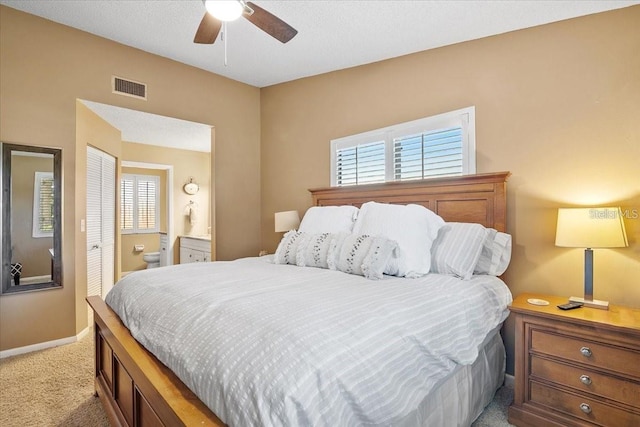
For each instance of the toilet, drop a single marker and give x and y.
(152, 259)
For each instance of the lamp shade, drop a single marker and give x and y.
(591, 228)
(288, 220)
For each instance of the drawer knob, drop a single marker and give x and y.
(584, 407)
(585, 379)
(586, 351)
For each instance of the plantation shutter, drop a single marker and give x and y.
(147, 203)
(43, 214)
(428, 154)
(126, 204)
(437, 146)
(139, 204)
(361, 164)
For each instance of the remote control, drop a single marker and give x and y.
(570, 305)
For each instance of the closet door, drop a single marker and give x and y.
(101, 192)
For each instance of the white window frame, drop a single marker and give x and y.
(37, 231)
(464, 117)
(135, 229)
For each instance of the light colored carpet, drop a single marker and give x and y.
(54, 387)
(495, 415)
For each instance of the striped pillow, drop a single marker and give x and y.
(457, 249)
(496, 253)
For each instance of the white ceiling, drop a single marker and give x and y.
(152, 129)
(332, 35)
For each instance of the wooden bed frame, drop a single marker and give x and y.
(138, 390)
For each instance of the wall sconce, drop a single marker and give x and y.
(285, 221)
(590, 228)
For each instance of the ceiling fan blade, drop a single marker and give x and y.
(208, 30)
(270, 23)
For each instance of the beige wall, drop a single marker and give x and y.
(44, 68)
(557, 105)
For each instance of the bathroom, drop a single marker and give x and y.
(189, 216)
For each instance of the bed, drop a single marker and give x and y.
(137, 388)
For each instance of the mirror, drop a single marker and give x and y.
(31, 218)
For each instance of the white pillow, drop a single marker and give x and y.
(496, 253)
(457, 249)
(361, 254)
(329, 219)
(413, 227)
(288, 248)
(313, 250)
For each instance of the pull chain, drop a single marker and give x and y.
(224, 39)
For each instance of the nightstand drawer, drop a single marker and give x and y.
(582, 407)
(623, 361)
(624, 391)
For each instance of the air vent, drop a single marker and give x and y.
(129, 88)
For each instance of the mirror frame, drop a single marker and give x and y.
(8, 287)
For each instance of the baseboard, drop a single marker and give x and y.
(44, 345)
(509, 381)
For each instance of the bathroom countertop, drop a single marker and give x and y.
(201, 237)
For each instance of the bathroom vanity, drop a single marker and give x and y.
(195, 249)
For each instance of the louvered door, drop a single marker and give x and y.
(101, 176)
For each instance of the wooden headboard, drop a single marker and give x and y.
(478, 198)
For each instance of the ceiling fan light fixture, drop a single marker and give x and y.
(224, 10)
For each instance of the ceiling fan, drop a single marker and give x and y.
(219, 11)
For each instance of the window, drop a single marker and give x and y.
(43, 205)
(139, 204)
(442, 145)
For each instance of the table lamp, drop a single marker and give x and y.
(590, 228)
(285, 221)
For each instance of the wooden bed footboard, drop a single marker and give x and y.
(135, 388)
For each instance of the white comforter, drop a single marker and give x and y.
(264, 344)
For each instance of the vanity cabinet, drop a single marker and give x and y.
(194, 249)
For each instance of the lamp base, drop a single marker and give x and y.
(596, 303)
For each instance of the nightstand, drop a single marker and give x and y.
(577, 367)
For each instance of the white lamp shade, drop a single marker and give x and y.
(591, 228)
(224, 10)
(288, 220)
